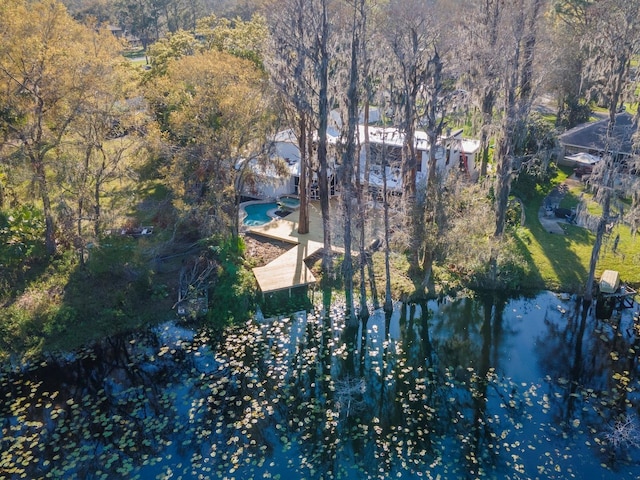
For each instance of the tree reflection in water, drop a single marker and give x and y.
(481, 387)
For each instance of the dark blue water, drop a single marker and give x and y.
(471, 388)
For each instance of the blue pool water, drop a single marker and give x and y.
(290, 202)
(257, 214)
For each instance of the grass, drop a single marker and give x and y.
(576, 195)
(562, 261)
(402, 285)
(550, 118)
(66, 306)
(134, 53)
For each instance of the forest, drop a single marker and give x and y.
(122, 118)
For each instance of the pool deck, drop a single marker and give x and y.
(289, 269)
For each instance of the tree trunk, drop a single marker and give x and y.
(348, 160)
(388, 303)
(597, 245)
(303, 211)
(323, 176)
(488, 104)
(365, 192)
(434, 130)
(503, 180)
(616, 83)
(362, 187)
(526, 73)
(97, 209)
(82, 186)
(409, 172)
(49, 234)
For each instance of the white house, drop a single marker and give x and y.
(385, 145)
(270, 184)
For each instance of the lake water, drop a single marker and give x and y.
(469, 388)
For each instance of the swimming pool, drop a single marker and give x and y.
(289, 202)
(258, 213)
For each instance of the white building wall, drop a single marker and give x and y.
(271, 187)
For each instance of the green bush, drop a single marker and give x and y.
(233, 294)
(60, 321)
(21, 234)
(572, 112)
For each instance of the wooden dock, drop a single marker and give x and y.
(611, 287)
(289, 269)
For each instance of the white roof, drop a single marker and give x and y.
(287, 135)
(392, 137)
(469, 145)
(583, 158)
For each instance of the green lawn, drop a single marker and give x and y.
(561, 262)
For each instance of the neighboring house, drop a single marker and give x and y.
(590, 138)
(454, 151)
(118, 32)
(585, 145)
(115, 31)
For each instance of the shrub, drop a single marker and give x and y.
(234, 291)
(21, 234)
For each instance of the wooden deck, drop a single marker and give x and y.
(289, 270)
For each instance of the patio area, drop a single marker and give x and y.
(289, 270)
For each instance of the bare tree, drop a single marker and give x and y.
(368, 73)
(412, 36)
(349, 149)
(566, 58)
(304, 50)
(480, 30)
(520, 30)
(292, 75)
(613, 38)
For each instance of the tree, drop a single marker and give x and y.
(349, 146)
(239, 38)
(291, 75)
(366, 13)
(46, 80)
(520, 26)
(215, 110)
(303, 47)
(613, 39)
(436, 100)
(173, 46)
(244, 39)
(291, 70)
(480, 31)
(412, 35)
(103, 134)
(140, 18)
(567, 58)
(82, 10)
